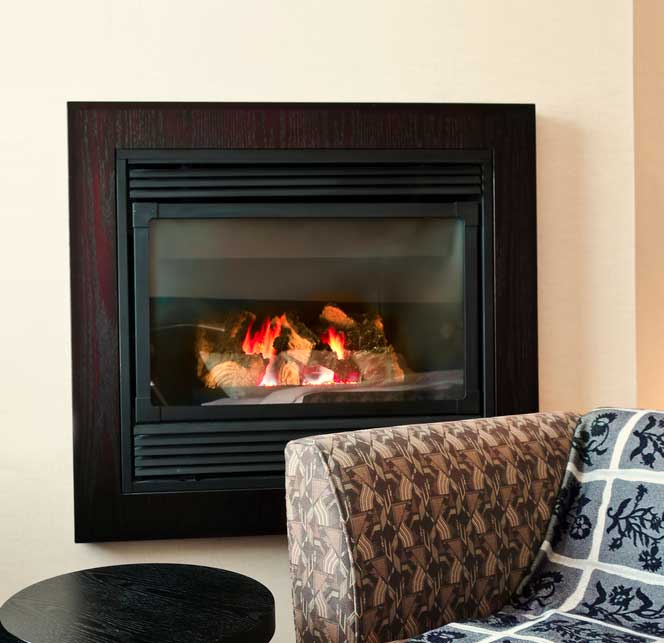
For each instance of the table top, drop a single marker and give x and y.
(153, 603)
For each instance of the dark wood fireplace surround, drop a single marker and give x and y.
(98, 132)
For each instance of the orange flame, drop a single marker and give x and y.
(336, 340)
(261, 342)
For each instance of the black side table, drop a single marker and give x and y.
(141, 604)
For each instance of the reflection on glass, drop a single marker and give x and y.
(273, 311)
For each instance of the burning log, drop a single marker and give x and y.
(295, 339)
(235, 374)
(334, 316)
(379, 366)
(288, 371)
(321, 369)
(347, 372)
(283, 370)
(221, 337)
(324, 358)
(364, 333)
(368, 334)
(325, 367)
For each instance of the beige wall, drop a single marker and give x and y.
(571, 57)
(649, 165)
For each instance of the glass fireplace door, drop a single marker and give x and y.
(342, 309)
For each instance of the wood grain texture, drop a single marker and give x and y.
(96, 130)
(154, 603)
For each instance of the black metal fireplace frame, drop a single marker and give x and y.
(143, 422)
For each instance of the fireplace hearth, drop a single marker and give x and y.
(244, 275)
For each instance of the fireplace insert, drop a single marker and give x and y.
(268, 295)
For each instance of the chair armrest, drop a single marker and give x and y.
(395, 531)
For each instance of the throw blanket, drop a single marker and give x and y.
(599, 575)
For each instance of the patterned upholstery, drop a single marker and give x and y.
(599, 574)
(395, 531)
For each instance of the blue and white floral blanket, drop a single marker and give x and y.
(599, 575)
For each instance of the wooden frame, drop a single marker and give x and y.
(97, 130)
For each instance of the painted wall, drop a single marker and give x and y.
(573, 58)
(649, 172)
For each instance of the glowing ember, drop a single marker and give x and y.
(262, 341)
(351, 378)
(319, 375)
(271, 377)
(336, 340)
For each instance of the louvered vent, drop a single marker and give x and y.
(293, 180)
(161, 454)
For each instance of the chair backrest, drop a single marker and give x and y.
(395, 531)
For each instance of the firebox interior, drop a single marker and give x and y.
(251, 310)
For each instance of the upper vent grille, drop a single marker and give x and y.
(293, 180)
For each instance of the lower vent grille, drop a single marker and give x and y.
(210, 455)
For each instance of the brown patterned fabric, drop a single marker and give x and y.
(395, 531)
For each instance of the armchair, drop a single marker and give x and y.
(395, 531)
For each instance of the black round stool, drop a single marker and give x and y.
(141, 604)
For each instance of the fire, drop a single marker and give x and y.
(261, 342)
(336, 340)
